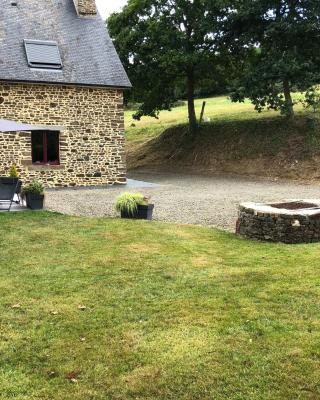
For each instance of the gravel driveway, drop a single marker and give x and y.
(191, 199)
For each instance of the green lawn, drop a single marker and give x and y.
(217, 109)
(170, 312)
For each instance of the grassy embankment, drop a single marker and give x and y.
(237, 140)
(110, 309)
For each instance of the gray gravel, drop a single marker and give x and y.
(191, 199)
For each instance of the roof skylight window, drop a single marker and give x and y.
(43, 54)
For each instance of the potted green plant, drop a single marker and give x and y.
(134, 206)
(34, 195)
(13, 173)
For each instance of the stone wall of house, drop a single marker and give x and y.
(275, 227)
(86, 7)
(91, 142)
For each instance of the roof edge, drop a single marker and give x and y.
(16, 81)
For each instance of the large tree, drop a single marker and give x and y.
(169, 44)
(284, 39)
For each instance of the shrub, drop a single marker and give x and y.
(312, 98)
(132, 106)
(34, 187)
(13, 171)
(179, 103)
(129, 202)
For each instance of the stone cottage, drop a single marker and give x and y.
(59, 69)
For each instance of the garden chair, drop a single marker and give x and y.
(9, 187)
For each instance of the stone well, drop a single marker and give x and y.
(294, 221)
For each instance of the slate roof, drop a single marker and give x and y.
(87, 52)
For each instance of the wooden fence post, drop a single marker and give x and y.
(202, 112)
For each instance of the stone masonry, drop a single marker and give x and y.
(91, 139)
(263, 222)
(85, 7)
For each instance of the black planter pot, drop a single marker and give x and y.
(35, 201)
(143, 212)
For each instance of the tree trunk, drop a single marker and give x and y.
(288, 98)
(191, 110)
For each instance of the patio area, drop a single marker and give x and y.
(14, 208)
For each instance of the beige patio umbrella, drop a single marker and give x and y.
(12, 126)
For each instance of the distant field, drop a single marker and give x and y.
(217, 108)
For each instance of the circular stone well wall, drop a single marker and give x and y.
(295, 221)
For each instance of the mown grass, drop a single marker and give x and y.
(171, 312)
(217, 109)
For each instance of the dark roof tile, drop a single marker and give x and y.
(87, 52)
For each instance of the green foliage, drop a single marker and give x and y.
(173, 49)
(34, 187)
(312, 98)
(282, 38)
(169, 48)
(13, 171)
(128, 202)
(179, 103)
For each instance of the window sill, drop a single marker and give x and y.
(45, 167)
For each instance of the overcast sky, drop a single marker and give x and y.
(106, 7)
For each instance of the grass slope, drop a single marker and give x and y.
(238, 140)
(172, 312)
